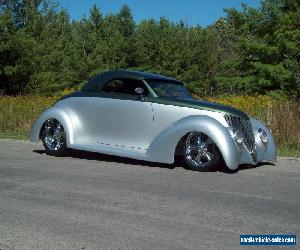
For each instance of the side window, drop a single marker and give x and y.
(114, 86)
(125, 86)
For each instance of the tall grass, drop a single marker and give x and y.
(17, 115)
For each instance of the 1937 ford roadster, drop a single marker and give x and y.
(152, 117)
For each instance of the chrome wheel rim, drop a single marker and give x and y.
(54, 135)
(199, 150)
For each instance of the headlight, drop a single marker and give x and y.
(239, 140)
(263, 136)
(236, 137)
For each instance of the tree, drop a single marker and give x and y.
(95, 17)
(125, 21)
(268, 46)
(253, 51)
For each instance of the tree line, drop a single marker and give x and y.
(252, 51)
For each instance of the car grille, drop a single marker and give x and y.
(242, 128)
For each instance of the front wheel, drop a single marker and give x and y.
(200, 152)
(54, 138)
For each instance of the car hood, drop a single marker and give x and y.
(200, 104)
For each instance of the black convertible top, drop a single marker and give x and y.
(98, 81)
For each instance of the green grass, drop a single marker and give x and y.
(288, 152)
(17, 115)
(14, 135)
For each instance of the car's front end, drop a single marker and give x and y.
(244, 140)
(254, 142)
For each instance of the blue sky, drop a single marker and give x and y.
(192, 12)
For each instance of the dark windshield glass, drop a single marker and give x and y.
(169, 89)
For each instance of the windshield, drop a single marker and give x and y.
(169, 89)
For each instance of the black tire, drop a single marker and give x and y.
(200, 153)
(54, 138)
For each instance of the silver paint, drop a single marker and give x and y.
(122, 123)
(265, 152)
(144, 130)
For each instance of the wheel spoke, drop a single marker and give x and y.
(198, 158)
(199, 150)
(204, 145)
(192, 148)
(208, 155)
(198, 141)
(60, 135)
(48, 126)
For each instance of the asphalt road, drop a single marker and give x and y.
(92, 201)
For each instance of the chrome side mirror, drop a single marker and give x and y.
(140, 91)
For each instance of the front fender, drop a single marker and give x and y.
(263, 152)
(57, 113)
(162, 149)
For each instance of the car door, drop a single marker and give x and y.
(122, 118)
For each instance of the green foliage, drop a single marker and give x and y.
(268, 43)
(249, 51)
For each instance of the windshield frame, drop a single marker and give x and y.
(154, 93)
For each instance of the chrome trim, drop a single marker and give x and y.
(54, 136)
(264, 152)
(241, 128)
(263, 136)
(198, 149)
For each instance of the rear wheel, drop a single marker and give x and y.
(54, 138)
(200, 152)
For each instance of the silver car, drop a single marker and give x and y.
(153, 118)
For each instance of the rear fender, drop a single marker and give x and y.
(59, 114)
